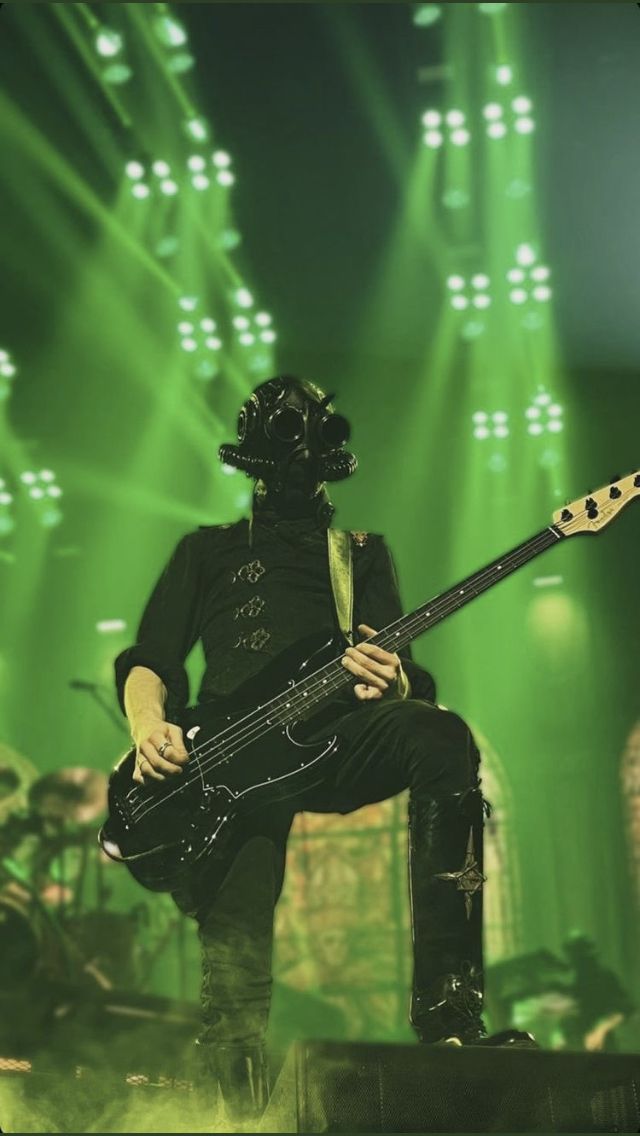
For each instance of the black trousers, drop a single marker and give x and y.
(388, 746)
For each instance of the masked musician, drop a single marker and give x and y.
(248, 591)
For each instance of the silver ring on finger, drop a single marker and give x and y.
(161, 749)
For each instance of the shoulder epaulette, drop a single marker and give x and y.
(359, 538)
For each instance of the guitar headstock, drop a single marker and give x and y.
(590, 514)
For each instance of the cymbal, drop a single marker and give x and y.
(71, 796)
(17, 773)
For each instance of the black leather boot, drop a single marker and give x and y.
(238, 1076)
(445, 861)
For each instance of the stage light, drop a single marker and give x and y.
(455, 283)
(246, 338)
(455, 199)
(515, 276)
(425, 15)
(432, 118)
(481, 432)
(541, 272)
(472, 329)
(225, 177)
(41, 488)
(263, 319)
(518, 296)
(206, 369)
(518, 188)
(169, 187)
(180, 62)
(189, 344)
(492, 111)
(243, 298)
(501, 432)
(213, 343)
(117, 73)
(208, 324)
(185, 328)
(7, 373)
(480, 417)
(200, 181)
(196, 163)
(134, 170)
(459, 302)
(229, 239)
(229, 470)
(455, 118)
(532, 321)
(500, 417)
(481, 301)
(161, 169)
(197, 129)
(241, 323)
(545, 415)
(525, 255)
(525, 125)
(268, 336)
(433, 139)
(480, 281)
(542, 293)
(108, 43)
(169, 32)
(221, 159)
(496, 130)
(522, 105)
(504, 74)
(188, 303)
(106, 626)
(460, 137)
(140, 190)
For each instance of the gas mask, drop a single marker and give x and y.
(290, 438)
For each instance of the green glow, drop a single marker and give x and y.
(170, 32)
(108, 43)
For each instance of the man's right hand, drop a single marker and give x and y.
(149, 737)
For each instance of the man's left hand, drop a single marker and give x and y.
(380, 669)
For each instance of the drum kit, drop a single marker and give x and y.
(55, 920)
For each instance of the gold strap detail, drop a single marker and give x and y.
(341, 573)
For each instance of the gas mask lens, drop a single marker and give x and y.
(287, 424)
(334, 431)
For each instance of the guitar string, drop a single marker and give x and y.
(252, 729)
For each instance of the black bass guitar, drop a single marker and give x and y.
(267, 744)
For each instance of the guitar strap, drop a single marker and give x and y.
(341, 573)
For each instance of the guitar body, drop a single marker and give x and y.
(164, 831)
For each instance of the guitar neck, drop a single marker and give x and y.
(332, 677)
(397, 635)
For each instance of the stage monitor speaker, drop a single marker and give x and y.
(338, 1087)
